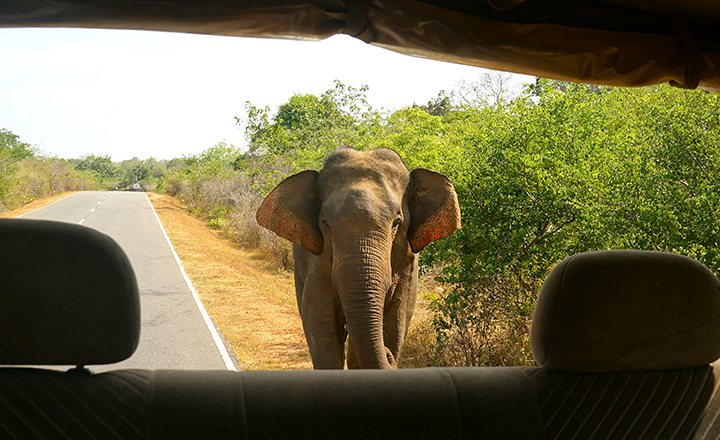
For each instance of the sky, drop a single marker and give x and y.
(126, 94)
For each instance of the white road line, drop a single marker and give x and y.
(93, 210)
(208, 322)
(50, 204)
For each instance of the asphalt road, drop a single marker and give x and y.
(174, 334)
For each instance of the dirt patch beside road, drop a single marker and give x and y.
(252, 304)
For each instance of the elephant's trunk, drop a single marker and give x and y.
(362, 287)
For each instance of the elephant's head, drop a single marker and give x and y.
(367, 216)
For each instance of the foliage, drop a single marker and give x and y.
(562, 170)
(489, 89)
(99, 169)
(439, 106)
(109, 175)
(25, 175)
(148, 173)
(558, 169)
(226, 187)
(11, 147)
(306, 128)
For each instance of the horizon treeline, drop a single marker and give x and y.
(552, 170)
(27, 175)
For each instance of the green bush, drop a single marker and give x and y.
(559, 169)
(568, 170)
(26, 176)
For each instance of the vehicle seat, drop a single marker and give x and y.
(68, 296)
(625, 339)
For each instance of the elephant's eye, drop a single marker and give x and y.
(325, 223)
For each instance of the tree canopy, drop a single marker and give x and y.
(557, 169)
(27, 175)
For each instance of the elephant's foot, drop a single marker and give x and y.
(352, 360)
(390, 358)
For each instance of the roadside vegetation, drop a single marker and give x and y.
(555, 169)
(26, 175)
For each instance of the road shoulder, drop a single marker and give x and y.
(37, 204)
(252, 304)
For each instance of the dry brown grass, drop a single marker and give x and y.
(252, 304)
(37, 204)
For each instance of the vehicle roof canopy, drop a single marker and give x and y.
(613, 42)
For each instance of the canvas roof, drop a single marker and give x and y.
(613, 42)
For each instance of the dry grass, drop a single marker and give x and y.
(37, 204)
(252, 304)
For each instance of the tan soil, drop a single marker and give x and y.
(252, 304)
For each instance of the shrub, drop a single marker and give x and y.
(226, 188)
(32, 178)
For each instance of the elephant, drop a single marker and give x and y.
(357, 227)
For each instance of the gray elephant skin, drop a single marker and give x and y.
(357, 227)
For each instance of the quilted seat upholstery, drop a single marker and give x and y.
(45, 404)
(607, 370)
(625, 339)
(665, 404)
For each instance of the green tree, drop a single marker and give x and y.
(175, 164)
(12, 148)
(25, 175)
(101, 166)
(307, 127)
(438, 106)
(563, 169)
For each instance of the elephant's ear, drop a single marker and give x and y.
(434, 209)
(291, 210)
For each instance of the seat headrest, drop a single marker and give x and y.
(68, 296)
(612, 311)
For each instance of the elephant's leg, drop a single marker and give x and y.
(300, 261)
(324, 326)
(299, 288)
(399, 309)
(352, 360)
(354, 364)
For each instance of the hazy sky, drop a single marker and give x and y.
(149, 94)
